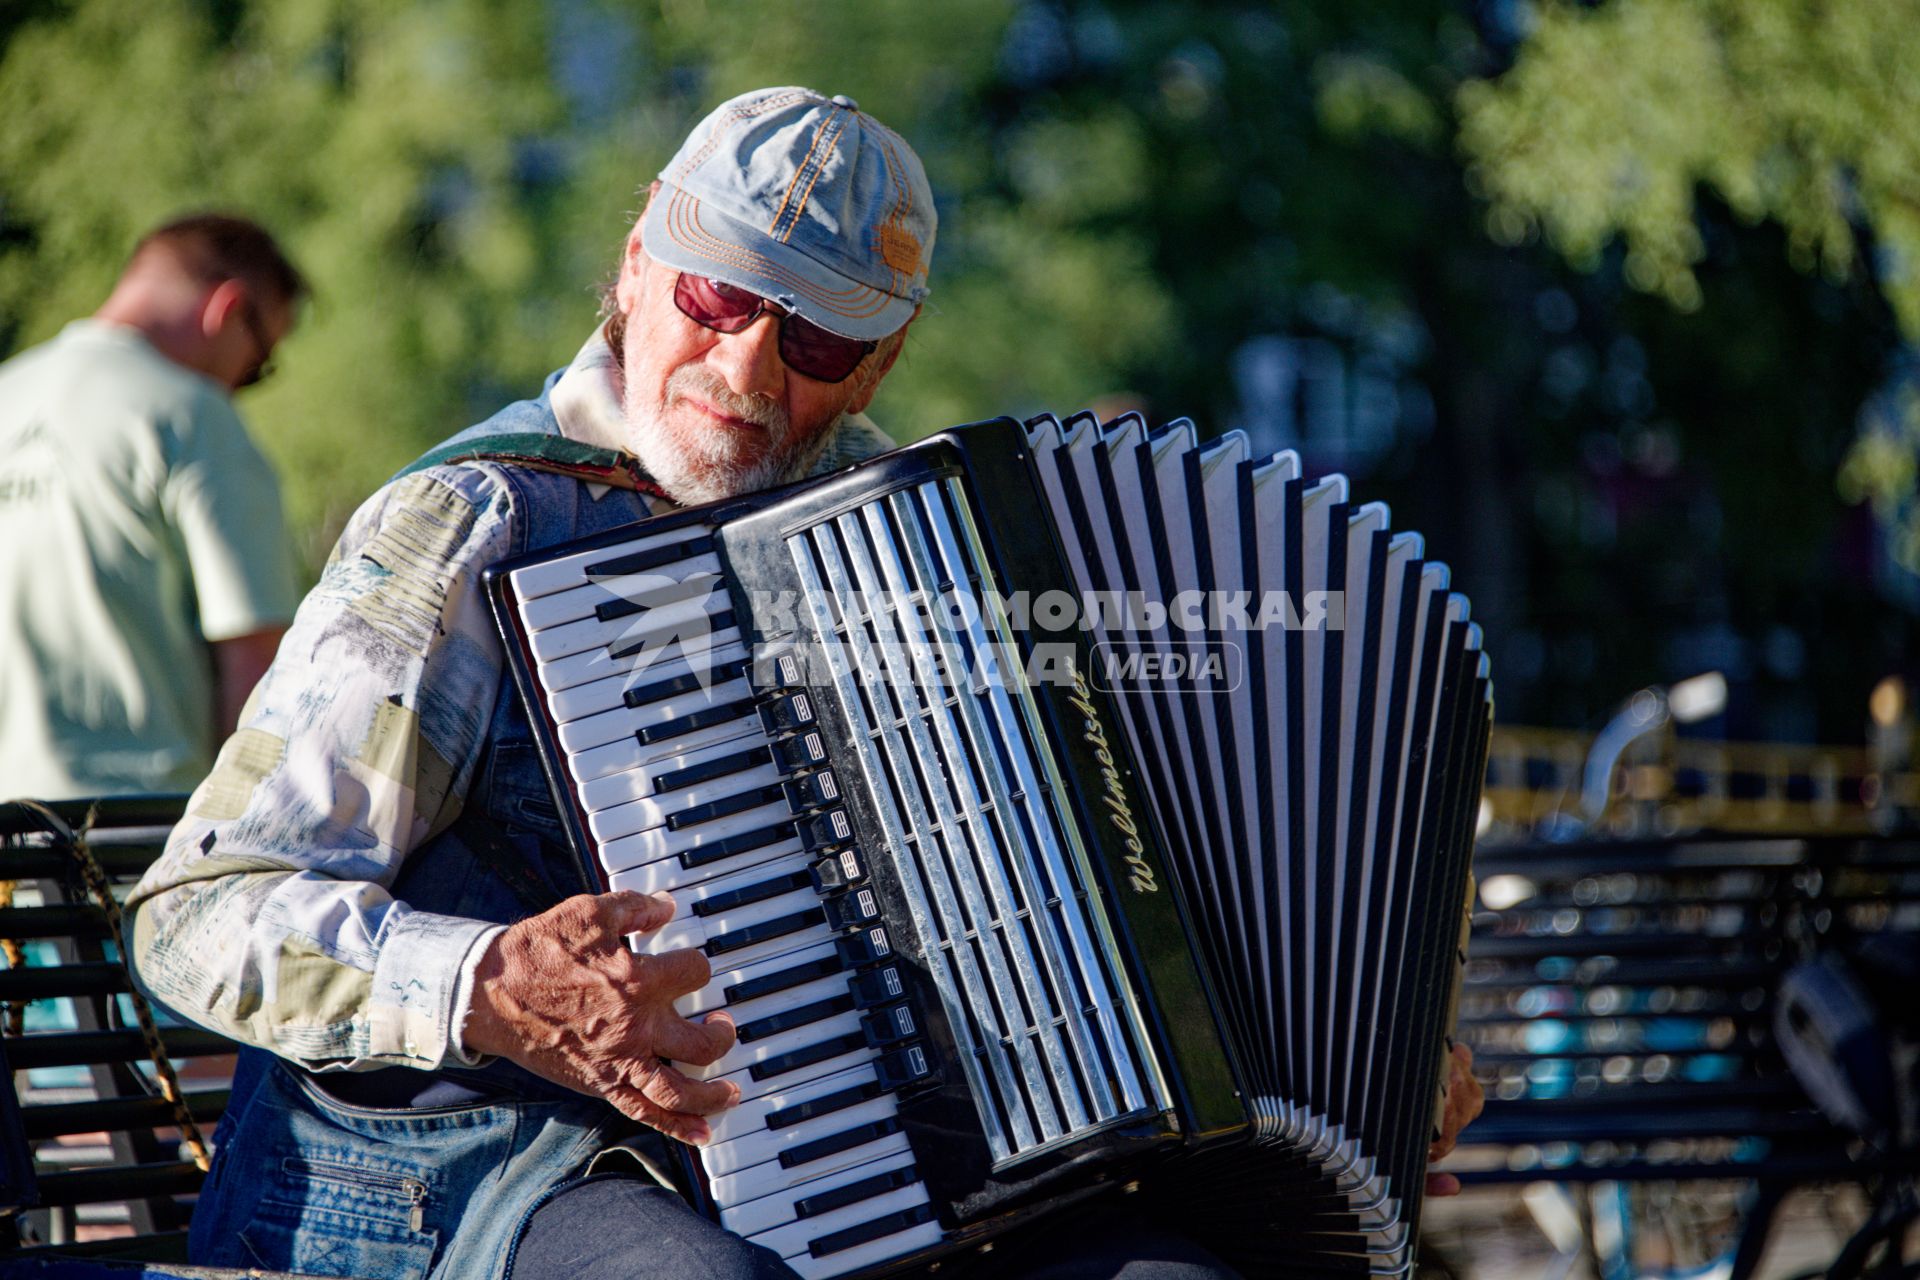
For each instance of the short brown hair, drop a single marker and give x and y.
(218, 246)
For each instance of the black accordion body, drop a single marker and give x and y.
(1063, 808)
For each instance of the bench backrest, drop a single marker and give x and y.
(108, 1160)
(1619, 998)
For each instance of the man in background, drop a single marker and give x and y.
(145, 576)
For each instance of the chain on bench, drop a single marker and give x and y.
(16, 958)
(101, 890)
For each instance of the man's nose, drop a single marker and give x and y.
(750, 360)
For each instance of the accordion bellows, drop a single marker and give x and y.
(1061, 807)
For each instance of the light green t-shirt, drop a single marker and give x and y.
(137, 522)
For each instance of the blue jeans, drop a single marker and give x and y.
(615, 1225)
(478, 1191)
(307, 1184)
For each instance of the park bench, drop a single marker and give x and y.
(95, 1163)
(1619, 999)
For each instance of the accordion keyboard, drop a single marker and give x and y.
(1005, 901)
(702, 773)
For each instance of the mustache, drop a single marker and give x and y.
(761, 411)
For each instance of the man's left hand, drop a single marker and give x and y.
(1465, 1100)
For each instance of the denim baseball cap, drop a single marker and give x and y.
(803, 199)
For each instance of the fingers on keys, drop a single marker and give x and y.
(675, 1091)
(698, 1043)
(672, 974)
(627, 912)
(631, 1100)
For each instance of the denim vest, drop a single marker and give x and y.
(401, 1173)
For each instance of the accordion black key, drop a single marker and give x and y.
(1060, 806)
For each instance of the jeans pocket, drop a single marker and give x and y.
(342, 1218)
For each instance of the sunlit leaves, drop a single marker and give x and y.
(1615, 115)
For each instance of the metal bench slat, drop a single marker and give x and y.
(89, 978)
(110, 811)
(119, 1182)
(21, 923)
(100, 1114)
(83, 1048)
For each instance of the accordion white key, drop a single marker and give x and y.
(1060, 806)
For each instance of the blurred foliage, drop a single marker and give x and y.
(1799, 113)
(1134, 196)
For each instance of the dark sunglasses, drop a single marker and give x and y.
(262, 368)
(806, 348)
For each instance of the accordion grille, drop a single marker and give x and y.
(968, 795)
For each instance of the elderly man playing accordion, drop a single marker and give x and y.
(456, 1058)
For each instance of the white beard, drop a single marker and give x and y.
(707, 464)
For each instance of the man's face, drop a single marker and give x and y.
(710, 414)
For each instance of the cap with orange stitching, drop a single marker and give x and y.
(803, 199)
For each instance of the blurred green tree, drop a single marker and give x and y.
(1614, 117)
(1136, 197)
(380, 142)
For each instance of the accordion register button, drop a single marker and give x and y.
(903, 1069)
(776, 669)
(850, 910)
(884, 1027)
(829, 830)
(787, 714)
(877, 986)
(844, 869)
(865, 947)
(801, 752)
(811, 790)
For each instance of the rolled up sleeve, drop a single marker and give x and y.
(270, 917)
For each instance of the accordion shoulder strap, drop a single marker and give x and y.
(540, 451)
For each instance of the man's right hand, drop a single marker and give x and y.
(562, 995)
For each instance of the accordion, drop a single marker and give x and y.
(1063, 807)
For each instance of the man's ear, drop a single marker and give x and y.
(219, 305)
(633, 272)
(633, 261)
